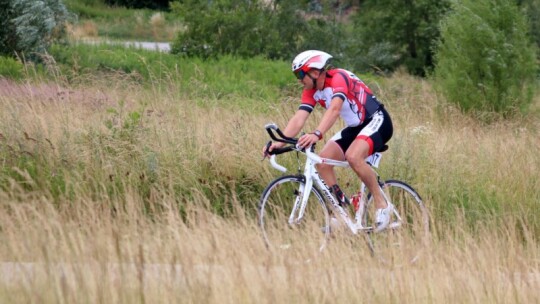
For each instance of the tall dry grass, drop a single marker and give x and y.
(115, 193)
(87, 255)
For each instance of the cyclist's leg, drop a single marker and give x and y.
(356, 155)
(371, 138)
(333, 151)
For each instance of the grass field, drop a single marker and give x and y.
(95, 20)
(125, 175)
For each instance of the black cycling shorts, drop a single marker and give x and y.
(376, 131)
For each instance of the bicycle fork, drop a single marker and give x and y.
(300, 202)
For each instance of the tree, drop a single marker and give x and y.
(8, 42)
(239, 27)
(398, 32)
(29, 26)
(532, 8)
(485, 60)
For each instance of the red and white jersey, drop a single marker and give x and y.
(359, 101)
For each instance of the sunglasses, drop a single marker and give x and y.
(300, 74)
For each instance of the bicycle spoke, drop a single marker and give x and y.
(280, 230)
(408, 231)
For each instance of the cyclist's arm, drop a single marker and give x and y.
(296, 123)
(331, 115)
(326, 123)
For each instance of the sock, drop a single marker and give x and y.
(342, 199)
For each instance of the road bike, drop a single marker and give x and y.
(299, 210)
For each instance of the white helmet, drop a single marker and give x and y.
(310, 60)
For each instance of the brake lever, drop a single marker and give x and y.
(266, 151)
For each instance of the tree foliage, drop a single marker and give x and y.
(399, 32)
(237, 27)
(277, 30)
(8, 42)
(485, 60)
(28, 27)
(532, 10)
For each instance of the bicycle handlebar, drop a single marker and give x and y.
(272, 127)
(284, 139)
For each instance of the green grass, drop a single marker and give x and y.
(228, 81)
(119, 23)
(95, 9)
(116, 157)
(11, 68)
(126, 158)
(214, 110)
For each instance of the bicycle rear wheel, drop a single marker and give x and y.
(282, 225)
(408, 233)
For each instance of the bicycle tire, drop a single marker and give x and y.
(275, 206)
(405, 240)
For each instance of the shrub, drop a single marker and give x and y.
(8, 41)
(29, 27)
(241, 28)
(391, 33)
(97, 9)
(11, 68)
(223, 79)
(485, 60)
(532, 8)
(251, 28)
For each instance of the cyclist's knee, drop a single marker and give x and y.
(355, 163)
(357, 153)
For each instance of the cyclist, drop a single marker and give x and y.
(368, 128)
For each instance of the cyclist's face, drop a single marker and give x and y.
(307, 80)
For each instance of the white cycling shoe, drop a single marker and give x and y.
(382, 217)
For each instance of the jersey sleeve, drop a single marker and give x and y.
(340, 85)
(308, 102)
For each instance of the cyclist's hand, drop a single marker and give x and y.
(307, 140)
(271, 146)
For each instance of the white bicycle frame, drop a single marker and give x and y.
(311, 174)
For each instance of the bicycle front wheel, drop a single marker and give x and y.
(408, 232)
(285, 223)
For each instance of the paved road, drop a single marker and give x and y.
(147, 45)
(157, 46)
